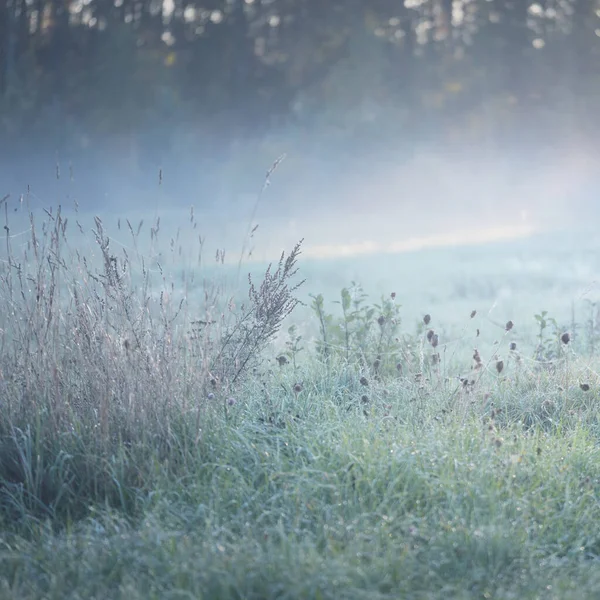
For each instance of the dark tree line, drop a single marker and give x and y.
(73, 72)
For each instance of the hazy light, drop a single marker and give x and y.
(538, 43)
(75, 7)
(189, 14)
(458, 13)
(413, 3)
(34, 21)
(168, 38)
(216, 16)
(536, 10)
(168, 6)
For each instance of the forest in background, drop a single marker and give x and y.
(211, 91)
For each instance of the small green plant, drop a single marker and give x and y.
(367, 335)
(325, 324)
(548, 338)
(293, 346)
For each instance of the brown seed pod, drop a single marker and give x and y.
(585, 387)
(364, 381)
(509, 325)
(499, 366)
(430, 334)
(565, 338)
(427, 319)
(473, 313)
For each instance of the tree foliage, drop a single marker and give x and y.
(475, 70)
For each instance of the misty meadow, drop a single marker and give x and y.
(299, 299)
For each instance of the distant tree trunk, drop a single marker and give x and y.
(6, 43)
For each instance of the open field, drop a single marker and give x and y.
(139, 460)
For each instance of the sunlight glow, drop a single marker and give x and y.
(453, 239)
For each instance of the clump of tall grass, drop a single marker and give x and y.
(100, 358)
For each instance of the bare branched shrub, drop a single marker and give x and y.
(258, 322)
